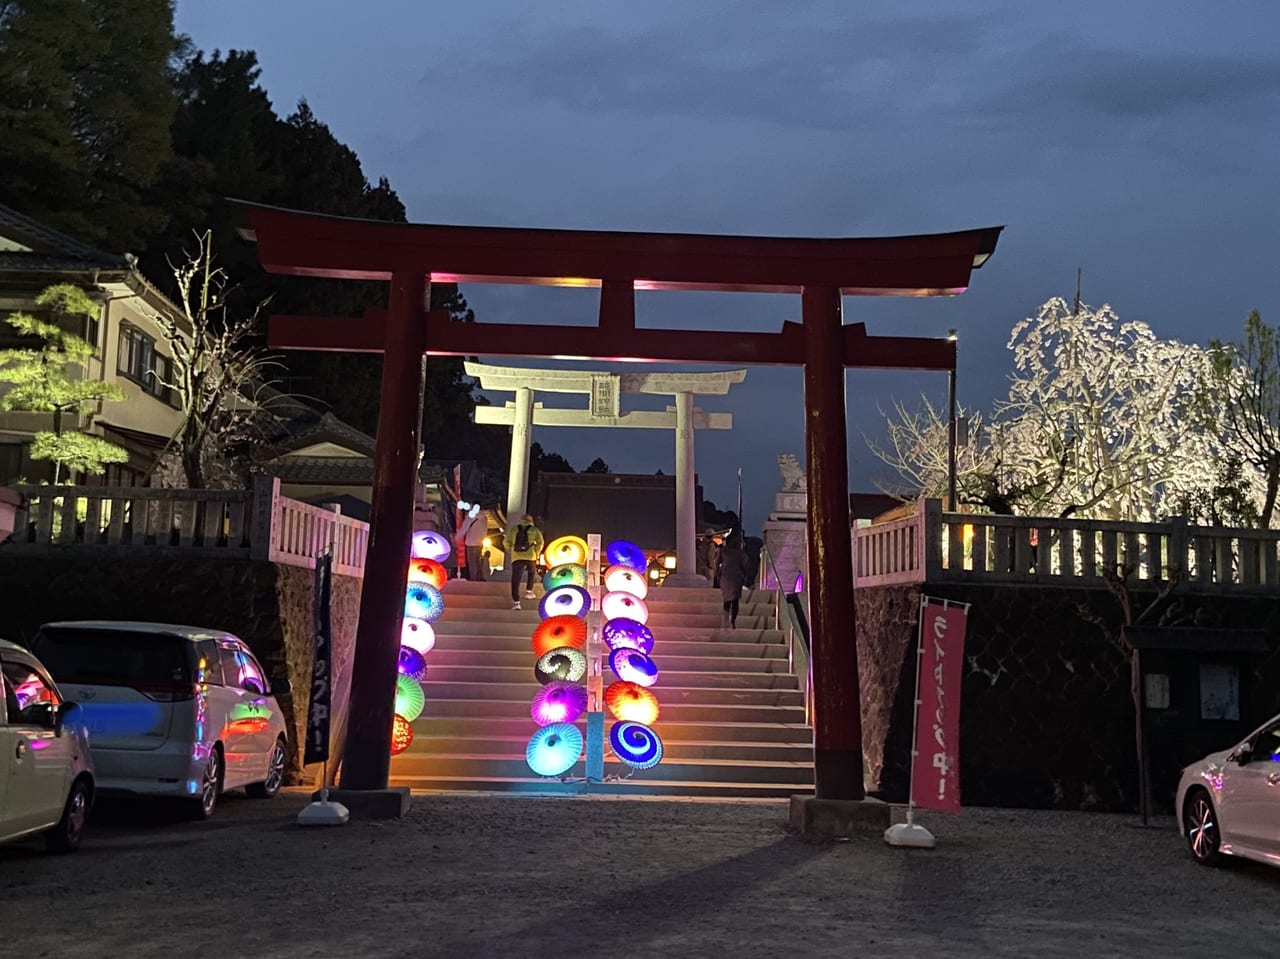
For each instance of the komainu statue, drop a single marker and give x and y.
(793, 478)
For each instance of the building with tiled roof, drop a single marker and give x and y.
(130, 346)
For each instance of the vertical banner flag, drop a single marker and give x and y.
(935, 764)
(459, 544)
(317, 748)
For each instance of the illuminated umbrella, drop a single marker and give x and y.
(417, 634)
(401, 735)
(414, 665)
(558, 702)
(635, 744)
(567, 574)
(633, 666)
(624, 606)
(622, 553)
(554, 749)
(563, 663)
(428, 571)
(559, 631)
(632, 703)
(566, 549)
(627, 632)
(423, 601)
(565, 601)
(428, 544)
(410, 699)
(623, 579)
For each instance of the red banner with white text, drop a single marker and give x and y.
(935, 764)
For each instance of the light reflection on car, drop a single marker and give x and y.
(173, 710)
(1229, 802)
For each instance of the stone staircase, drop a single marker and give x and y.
(732, 721)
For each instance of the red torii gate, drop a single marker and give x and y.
(411, 256)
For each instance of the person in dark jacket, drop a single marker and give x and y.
(731, 575)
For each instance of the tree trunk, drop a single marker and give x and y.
(1273, 484)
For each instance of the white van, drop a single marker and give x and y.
(171, 710)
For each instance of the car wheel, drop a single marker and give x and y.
(210, 786)
(65, 836)
(1200, 824)
(275, 775)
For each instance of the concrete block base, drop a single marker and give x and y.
(371, 803)
(839, 818)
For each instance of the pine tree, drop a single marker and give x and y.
(48, 379)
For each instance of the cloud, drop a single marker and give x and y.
(823, 73)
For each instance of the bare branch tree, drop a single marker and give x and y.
(217, 370)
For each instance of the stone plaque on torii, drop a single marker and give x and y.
(605, 390)
(410, 256)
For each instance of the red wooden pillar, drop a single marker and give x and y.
(366, 758)
(837, 710)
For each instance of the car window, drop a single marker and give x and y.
(241, 670)
(208, 663)
(25, 687)
(99, 657)
(1267, 745)
(10, 700)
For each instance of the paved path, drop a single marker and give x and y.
(480, 876)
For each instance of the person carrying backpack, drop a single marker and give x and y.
(525, 543)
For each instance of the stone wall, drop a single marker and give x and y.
(270, 607)
(1046, 715)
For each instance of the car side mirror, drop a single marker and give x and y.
(1244, 753)
(281, 687)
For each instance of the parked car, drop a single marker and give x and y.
(1229, 802)
(171, 710)
(46, 769)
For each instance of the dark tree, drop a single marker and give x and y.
(597, 466)
(86, 101)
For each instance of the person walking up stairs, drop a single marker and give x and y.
(525, 541)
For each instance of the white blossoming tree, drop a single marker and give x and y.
(1102, 419)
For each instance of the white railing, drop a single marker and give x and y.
(887, 554)
(933, 546)
(257, 524)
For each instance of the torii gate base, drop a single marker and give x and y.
(295, 243)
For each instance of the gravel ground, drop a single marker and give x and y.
(510, 877)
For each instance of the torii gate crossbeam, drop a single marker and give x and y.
(410, 256)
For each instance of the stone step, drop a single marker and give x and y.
(671, 710)
(480, 645)
(622, 788)
(411, 764)
(450, 655)
(426, 747)
(728, 678)
(528, 618)
(667, 695)
(711, 604)
(524, 628)
(520, 726)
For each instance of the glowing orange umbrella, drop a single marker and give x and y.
(556, 631)
(631, 703)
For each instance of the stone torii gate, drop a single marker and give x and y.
(409, 256)
(605, 390)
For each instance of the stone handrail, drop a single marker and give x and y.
(257, 524)
(888, 554)
(937, 547)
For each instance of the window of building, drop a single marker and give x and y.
(139, 361)
(11, 462)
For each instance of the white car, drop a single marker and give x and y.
(46, 772)
(171, 710)
(1229, 802)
